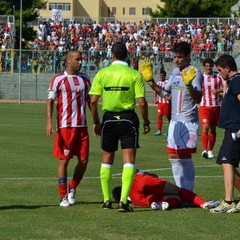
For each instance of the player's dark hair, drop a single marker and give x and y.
(116, 193)
(226, 60)
(208, 60)
(163, 72)
(119, 50)
(183, 48)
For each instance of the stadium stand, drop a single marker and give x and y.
(143, 40)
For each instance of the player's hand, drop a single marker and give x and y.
(215, 91)
(49, 129)
(146, 128)
(168, 97)
(188, 77)
(97, 129)
(147, 72)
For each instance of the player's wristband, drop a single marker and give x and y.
(150, 82)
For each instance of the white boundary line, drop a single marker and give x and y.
(116, 175)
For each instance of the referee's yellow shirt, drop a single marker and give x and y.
(119, 86)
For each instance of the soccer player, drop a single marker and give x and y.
(184, 84)
(209, 107)
(163, 105)
(70, 88)
(119, 87)
(229, 152)
(148, 190)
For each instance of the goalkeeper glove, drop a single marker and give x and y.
(188, 77)
(147, 73)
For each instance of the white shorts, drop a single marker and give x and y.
(182, 137)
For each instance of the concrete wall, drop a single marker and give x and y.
(33, 87)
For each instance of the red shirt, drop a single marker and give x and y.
(209, 83)
(146, 189)
(72, 94)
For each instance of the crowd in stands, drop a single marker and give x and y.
(143, 39)
(6, 42)
(6, 35)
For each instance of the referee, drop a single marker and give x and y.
(119, 87)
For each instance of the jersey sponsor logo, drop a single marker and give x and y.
(66, 152)
(177, 87)
(116, 88)
(176, 83)
(78, 88)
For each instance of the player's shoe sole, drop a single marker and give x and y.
(159, 205)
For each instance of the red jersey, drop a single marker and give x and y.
(146, 189)
(161, 84)
(209, 83)
(72, 94)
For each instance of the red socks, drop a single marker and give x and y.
(190, 197)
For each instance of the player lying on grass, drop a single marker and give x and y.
(148, 190)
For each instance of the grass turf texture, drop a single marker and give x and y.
(29, 195)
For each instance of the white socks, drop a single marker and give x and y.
(183, 172)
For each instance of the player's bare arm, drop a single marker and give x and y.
(95, 116)
(49, 111)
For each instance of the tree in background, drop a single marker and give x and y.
(29, 14)
(193, 8)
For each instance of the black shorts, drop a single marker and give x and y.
(123, 126)
(229, 151)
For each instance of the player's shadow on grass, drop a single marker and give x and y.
(87, 203)
(29, 207)
(114, 206)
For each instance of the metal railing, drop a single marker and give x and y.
(38, 67)
(101, 20)
(53, 62)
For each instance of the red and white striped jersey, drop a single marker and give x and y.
(71, 92)
(159, 98)
(210, 82)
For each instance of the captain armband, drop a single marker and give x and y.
(51, 95)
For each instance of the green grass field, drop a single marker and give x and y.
(29, 194)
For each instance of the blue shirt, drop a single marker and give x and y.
(230, 109)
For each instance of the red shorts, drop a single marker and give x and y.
(164, 109)
(209, 115)
(71, 142)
